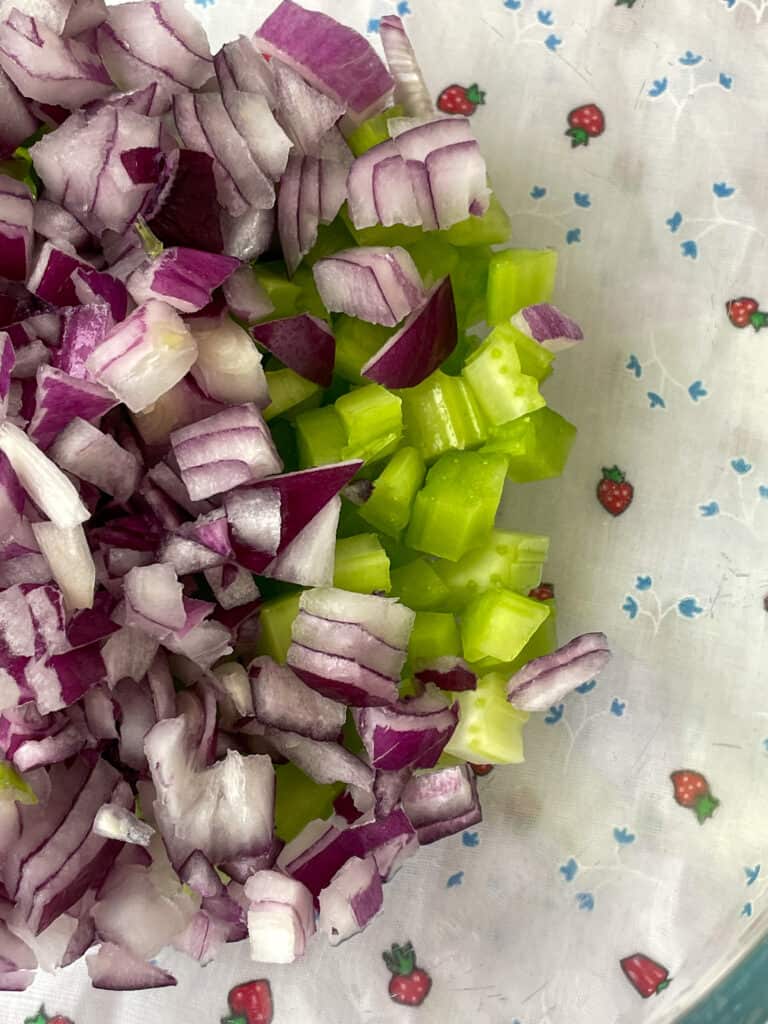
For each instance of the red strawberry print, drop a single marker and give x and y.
(746, 312)
(586, 123)
(408, 985)
(457, 99)
(645, 975)
(544, 592)
(614, 492)
(251, 1003)
(41, 1017)
(692, 791)
(482, 769)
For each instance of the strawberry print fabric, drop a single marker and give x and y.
(623, 868)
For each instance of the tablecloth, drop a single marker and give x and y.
(590, 853)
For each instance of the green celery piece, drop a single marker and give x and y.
(518, 278)
(283, 294)
(350, 522)
(284, 437)
(501, 390)
(309, 300)
(320, 437)
(441, 415)
(350, 736)
(418, 586)
(14, 787)
(356, 342)
(498, 625)
(372, 419)
(434, 258)
(398, 234)
(470, 285)
(537, 446)
(389, 507)
(543, 641)
(490, 730)
(373, 131)
(535, 360)
(456, 507)
(399, 553)
(275, 619)
(434, 635)
(493, 228)
(331, 238)
(465, 346)
(290, 393)
(299, 800)
(361, 565)
(507, 559)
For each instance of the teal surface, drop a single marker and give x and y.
(742, 998)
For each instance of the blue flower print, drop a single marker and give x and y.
(634, 366)
(538, 192)
(689, 608)
(674, 222)
(752, 874)
(741, 466)
(573, 235)
(470, 839)
(552, 42)
(696, 391)
(623, 836)
(722, 190)
(513, 5)
(659, 86)
(373, 24)
(585, 900)
(689, 59)
(762, 490)
(587, 687)
(403, 8)
(569, 870)
(655, 401)
(618, 707)
(554, 714)
(746, 910)
(709, 510)
(545, 17)
(630, 606)
(455, 880)
(726, 81)
(690, 249)
(582, 199)
(643, 583)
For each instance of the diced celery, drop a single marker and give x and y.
(356, 342)
(434, 635)
(14, 787)
(493, 228)
(507, 559)
(500, 388)
(299, 800)
(373, 131)
(309, 300)
(457, 506)
(372, 418)
(361, 565)
(498, 625)
(434, 258)
(517, 278)
(275, 620)
(350, 522)
(441, 415)
(469, 280)
(330, 238)
(543, 641)
(284, 438)
(537, 446)
(535, 360)
(399, 553)
(283, 294)
(418, 586)
(389, 506)
(398, 234)
(490, 729)
(321, 437)
(290, 393)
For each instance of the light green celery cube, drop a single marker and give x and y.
(537, 446)
(372, 418)
(441, 415)
(518, 278)
(434, 635)
(389, 507)
(320, 436)
(418, 586)
(289, 393)
(499, 624)
(275, 620)
(361, 565)
(490, 729)
(502, 391)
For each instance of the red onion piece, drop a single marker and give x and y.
(375, 283)
(281, 917)
(246, 297)
(66, 552)
(546, 680)
(95, 288)
(546, 324)
(353, 897)
(52, 221)
(426, 339)
(154, 600)
(349, 640)
(309, 558)
(114, 969)
(457, 182)
(288, 212)
(330, 56)
(46, 67)
(383, 617)
(16, 219)
(266, 141)
(155, 42)
(248, 235)
(51, 275)
(281, 700)
(232, 586)
(144, 356)
(59, 399)
(7, 362)
(388, 789)
(84, 15)
(448, 673)
(341, 679)
(240, 66)
(305, 113)
(304, 343)
(224, 451)
(18, 123)
(86, 452)
(193, 187)
(184, 278)
(442, 803)
(411, 91)
(115, 822)
(409, 733)
(85, 327)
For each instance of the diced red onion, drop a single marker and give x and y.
(224, 451)
(266, 141)
(341, 679)
(144, 356)
(60, 399)
(288, 212)
(95, 288)
(7, 362)
(255, 520)
(84, 15)
(546, 680)
(442, 803)
(447, 673)
(155, 42)
(546, 324)
(248, 235)
(100, 714)
(311, 192)
(426, 339)
(184, 278)
(388, 788)
(304, 343)
(281, 917)
(383, 617)
(379, 189)
(191, 187)
(66, 551)
(154, 601)
(51, 275)
(114, 969)
(115, 822)
(234, 681)
(309, 203)
(128, 654)
(53, 222)
(376, 284)
(305, 113)
(350, 640)
(183, 404)
(16, 219)
(43, 481)
(411, 91)
(280, 699)
(309, 558)
(239, 65)
(246, 298)
(352, 899)
(330, 56)
(85, 327)
(18, 123)
(409, 733)
(86, 452)
(44, 66)
(457, 182)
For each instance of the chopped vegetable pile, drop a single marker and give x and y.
(256, 619)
